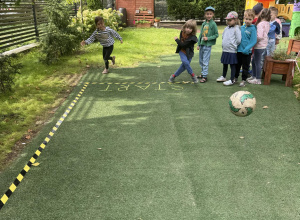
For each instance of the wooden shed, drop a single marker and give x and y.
(133, 9)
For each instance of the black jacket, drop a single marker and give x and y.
(188, 45)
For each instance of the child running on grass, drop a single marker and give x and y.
(207, 38)
(105, 36)
(249, 39)
(185, 48)
(263, 27)
(230, 40)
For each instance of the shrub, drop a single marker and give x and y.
(60, 38)
(9, 68)
(112, 18)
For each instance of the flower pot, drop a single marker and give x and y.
(285, 68)
(294, 46)
(143, 25)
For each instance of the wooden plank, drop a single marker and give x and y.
(20, 38)
(20, 49)
(17, 30)
(16, 43)
(14, 27)
(17, 35)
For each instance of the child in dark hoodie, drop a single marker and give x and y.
(185, 48)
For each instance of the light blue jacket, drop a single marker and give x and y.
(249, 39)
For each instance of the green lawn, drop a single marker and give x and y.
(168, 151)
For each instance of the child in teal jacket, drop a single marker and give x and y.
(244, 50)
(207, 38)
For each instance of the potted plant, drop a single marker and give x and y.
(157, 19)
(280, 63)
(143, 9)
(294, 44)
(142, 23)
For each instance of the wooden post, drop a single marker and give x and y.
(35, 21)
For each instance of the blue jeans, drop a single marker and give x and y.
(269, 50)
(185, 64)
(256, 62)
(204, 57)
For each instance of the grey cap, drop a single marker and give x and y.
(257, 8)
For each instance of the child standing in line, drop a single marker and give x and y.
(105, 36)
(274, 30)
(185, 48)
(207, 38)
(249, 38)
(230, 40)
(263, 27)
(257, 9)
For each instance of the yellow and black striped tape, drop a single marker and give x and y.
(32, 160)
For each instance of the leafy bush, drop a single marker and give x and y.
(9, 68)
(112, 18)
(184, 9)
(61, 38)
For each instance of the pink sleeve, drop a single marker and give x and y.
(260, 32)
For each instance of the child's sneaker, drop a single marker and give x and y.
(105, 71)
(221, 79)
(195, 80)
(243, 83)
(250, 78)
(228, 83)
(255, 81)
(113, 60)
(172, 78)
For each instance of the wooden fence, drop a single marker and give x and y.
(21, 23)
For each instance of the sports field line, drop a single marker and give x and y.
(38, 152)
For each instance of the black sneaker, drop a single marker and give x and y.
(113, 60)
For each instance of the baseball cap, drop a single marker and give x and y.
(209, 8)
(232, 15)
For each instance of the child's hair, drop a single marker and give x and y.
(192, 24)
(258, 8)
(265, 14)
(250, 13)
(237, 21)
(97, 19)
(273, 9)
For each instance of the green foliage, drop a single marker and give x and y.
(141, 21)
(112, 18)
(9, 68)
(61, 38)
(183, 9)
(94, 4)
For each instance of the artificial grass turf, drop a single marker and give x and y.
(168, 151)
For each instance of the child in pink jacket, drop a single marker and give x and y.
(263, 27)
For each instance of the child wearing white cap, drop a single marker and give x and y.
(230, 40)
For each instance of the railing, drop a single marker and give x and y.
(22, 23)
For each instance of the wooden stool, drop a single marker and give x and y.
(285, 68)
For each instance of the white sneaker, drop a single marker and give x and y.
(105, 71)
(250, 78)
(255, 81)
(221, 79)
(228, 83)
(243, 83)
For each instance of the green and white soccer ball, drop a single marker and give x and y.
(242, 103)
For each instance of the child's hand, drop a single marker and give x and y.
(205, 38)
(198, 48)
(83, 43)
(175, 38)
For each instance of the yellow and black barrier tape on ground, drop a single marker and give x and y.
(38, 152)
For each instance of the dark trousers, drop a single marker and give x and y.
(107, 51)
(233, 70)
(244, 62)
